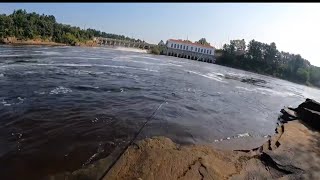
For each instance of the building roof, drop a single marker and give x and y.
(190, 43)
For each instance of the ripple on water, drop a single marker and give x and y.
(60, 90)
(12, 101)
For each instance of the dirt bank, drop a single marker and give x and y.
(15, 41)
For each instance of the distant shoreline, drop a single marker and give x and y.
(16, 42)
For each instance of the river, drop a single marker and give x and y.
(65, 107)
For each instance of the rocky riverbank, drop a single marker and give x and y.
(38, 41)
(90, 43)
(15, 41)
(292, 153)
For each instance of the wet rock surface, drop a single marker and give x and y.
(248, 80)
(309, 113)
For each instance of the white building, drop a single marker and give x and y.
(189, 50)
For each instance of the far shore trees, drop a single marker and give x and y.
(266, 59)
(23, 25)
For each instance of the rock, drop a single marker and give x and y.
(309, 113)
(160, 158)
(310, 104)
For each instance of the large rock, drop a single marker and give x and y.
(309, 113)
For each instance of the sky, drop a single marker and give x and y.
(293, 27)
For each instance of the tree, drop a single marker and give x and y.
(21, 24)
(302, 75)
(161, 43)
(267, 59)
(187, 41)
(203, 41)
(238, 45)
(155, 50)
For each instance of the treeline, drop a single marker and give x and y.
(23, 25)
(267, 59)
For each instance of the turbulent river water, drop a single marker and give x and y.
(64, 107)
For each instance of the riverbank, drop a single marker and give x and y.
(15, 41)
(270, 75)
(292, 152)
(40, 42)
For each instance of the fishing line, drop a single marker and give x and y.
(131, 142)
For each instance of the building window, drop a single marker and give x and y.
(184, 47)
(210, 51)
(171, 45)
(191, 48)
(207, 51)
(180, 46)
(174, 45)
(187, 47)
(196, 49)
(201, 50)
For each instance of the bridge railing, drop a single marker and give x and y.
(125, 43)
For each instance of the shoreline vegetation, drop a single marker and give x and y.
(21, 27)
(293, 152)
(266, 59)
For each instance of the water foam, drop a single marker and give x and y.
(95, 65)
(243, 135)
(50, 53)
(130, 49)
(158, 64)
(209, 75)
(266, 91)
(277, 93)
(146, 57)
(14, 101)
(60, 90)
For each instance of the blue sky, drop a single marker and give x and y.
(293, 27)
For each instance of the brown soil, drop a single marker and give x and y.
(15, 41)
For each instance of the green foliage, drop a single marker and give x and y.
(155, 50)
(159, 49)
(23, 25)
(203, 41)
(266, 59)
(302, 75)
(69, 38)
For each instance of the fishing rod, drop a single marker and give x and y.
(133, 139)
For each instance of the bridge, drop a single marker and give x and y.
(123, 43)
